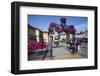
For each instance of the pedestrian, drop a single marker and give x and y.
(78, 43)
(49, 48)
(73, 43)
(70, 42)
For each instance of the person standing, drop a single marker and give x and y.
(78, 43)
(49, 48)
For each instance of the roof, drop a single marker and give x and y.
(33, 27)
(45, 31)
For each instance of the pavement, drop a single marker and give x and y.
(62, 52)
(83, 50)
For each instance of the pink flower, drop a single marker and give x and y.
(33, 46)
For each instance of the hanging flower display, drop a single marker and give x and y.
(63, 20)
(65, 29)
(72, 29)
(62, 28)
(52, 26)
(58, 29)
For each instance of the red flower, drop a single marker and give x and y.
(33, 46)
(52, 24)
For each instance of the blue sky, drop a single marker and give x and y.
(43, 21)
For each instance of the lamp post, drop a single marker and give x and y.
(73, 31)
(66, 30)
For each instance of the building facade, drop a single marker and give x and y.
(45, 36)
(35, 34)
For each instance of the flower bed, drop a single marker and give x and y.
(36, 46)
